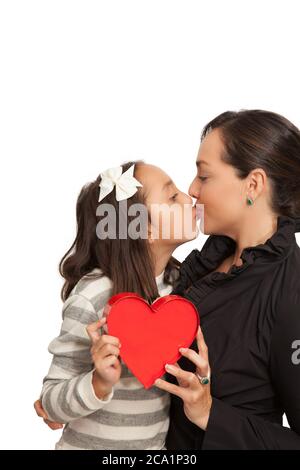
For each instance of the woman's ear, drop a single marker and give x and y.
(257, 181)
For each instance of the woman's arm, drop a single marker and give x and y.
(230, 429)
(68, 392)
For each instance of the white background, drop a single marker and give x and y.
(86, 85)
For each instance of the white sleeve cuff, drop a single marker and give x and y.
(86, 390)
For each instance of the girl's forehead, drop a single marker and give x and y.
(152, 175)
(156, 182)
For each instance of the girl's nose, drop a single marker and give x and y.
(188, 199)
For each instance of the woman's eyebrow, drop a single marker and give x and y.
(200, 162)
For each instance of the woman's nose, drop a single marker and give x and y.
(192, 191)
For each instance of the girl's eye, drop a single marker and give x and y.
(174, 197)
(202, 178)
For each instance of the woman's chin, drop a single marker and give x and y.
(203, 227)
(206, 226)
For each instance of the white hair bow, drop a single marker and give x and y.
(126, 184)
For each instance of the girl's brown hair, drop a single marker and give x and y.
(263, 139)
(127, 262)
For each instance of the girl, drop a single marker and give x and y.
(88, 387)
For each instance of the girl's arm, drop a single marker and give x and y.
(68, 392)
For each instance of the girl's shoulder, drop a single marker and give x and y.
(95, 288)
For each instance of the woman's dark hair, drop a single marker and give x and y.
(127, 262)
(262, 139)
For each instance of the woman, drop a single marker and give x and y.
(245, 282)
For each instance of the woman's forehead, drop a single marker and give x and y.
(210, 149)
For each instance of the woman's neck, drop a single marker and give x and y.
(253, 232)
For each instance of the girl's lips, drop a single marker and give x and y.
(199, 211)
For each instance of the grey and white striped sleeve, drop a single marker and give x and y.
(67, 392)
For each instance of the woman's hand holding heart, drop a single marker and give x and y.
(196, 397)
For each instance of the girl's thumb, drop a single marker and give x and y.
(92, 329)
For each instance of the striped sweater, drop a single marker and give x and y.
(131, 417)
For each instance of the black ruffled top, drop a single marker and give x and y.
(250, 318)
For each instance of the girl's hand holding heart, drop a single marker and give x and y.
(104, 351)
(196, 397)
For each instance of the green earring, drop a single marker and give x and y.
(250, 201)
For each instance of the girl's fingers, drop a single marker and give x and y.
(40, 410)
(42, 414)
(99, 340)
(106, 339)
(106, 350)
(110, 361)
(92, 329)
(53, 425)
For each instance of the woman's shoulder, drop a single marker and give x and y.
(287, 295)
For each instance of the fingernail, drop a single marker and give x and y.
(182, 350)
(157, 381)
(169, 366)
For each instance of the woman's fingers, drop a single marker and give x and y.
(171, 388)
(181, 382)
(202, 347)
(182, 376)
(200, 362)
(92, 329)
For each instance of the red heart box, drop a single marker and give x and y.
(151, 335)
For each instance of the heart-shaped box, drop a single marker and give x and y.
(151, 335)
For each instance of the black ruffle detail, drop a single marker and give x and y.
(197, 275)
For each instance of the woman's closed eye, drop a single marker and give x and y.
(202, 178)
